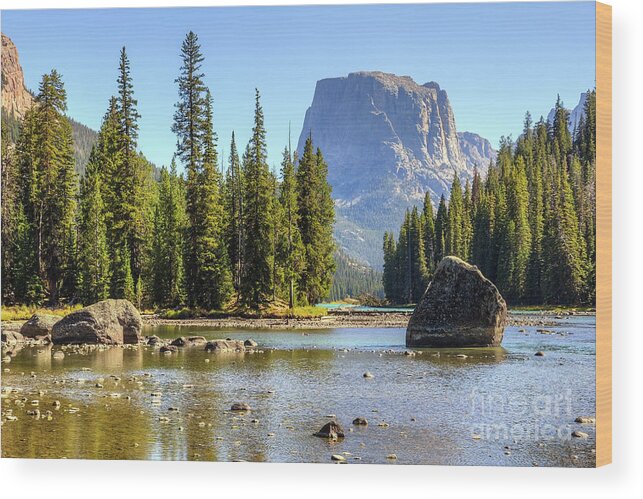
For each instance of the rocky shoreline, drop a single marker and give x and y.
(334, 320)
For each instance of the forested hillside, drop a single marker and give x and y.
(353, 279)
(529, 225)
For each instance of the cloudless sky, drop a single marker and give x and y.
(495, 60)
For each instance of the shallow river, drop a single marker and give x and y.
(500, 406)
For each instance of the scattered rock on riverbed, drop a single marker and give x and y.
(109, 322)
(169, 349)
(240, 406)
(189, 341)
(539, 354)
(460, 308)
(579, 434)
(225, 346)
(585, 420)
(330, 430)
(368, 374)
(360, 422)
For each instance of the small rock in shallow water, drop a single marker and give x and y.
(461, 356)
(368, 374)
(539, 354)
(240, 406)
(360, 422)
(579, 434)
(330, 430)
(391, 456)
(58, 355)
(585, 420)
(337, 457)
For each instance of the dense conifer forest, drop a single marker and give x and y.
(227, 233)
(529, 226)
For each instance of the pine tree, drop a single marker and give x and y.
(48, 186)
(419, 273)
(428, 223)
(127, 186)
(290, 250)
(258, 250)
(214, 285)
(454, 237)
(316, 215)
(563, 251)
(167, 254)
(93, 256)
(234, 208)
(441, 222)
(390, 276)
(8, 214)
(188, 125)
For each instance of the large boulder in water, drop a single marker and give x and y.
(109, 322)
(39, 326)
(460, 308)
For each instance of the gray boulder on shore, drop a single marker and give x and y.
(39, 326)
(108, 322)
(460, 308)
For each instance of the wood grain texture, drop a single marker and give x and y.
(603, 234)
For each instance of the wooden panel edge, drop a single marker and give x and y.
(603, 234)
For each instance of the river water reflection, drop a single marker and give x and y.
(500, 406)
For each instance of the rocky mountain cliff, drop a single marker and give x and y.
(17, 99)
(387, 140)
(575, 114)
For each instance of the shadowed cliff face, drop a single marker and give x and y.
(387, 140)
(16, 99)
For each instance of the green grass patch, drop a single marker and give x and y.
(24, 312)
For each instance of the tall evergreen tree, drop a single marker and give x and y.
(48, 189)
(316, 215)
(454, 240)
(290, 250)
(428, 222)
(441, 221)
(258, 250)
(234, 208)
(93, 256)
(214, 285)
(167, 253)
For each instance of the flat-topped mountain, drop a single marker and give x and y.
(387, 140)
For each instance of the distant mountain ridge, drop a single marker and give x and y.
(387, 141)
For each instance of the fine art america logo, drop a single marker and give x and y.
(519, 417)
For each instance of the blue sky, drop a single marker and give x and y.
(494, 60)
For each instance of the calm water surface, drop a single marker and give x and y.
(495, 407)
